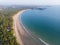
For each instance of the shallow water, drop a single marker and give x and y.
(44, 23)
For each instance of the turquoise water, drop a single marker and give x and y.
(45, 24)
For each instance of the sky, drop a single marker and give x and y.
(30, 2)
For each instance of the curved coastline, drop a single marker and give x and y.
(23, 35)
(31, 34)
(16, 34)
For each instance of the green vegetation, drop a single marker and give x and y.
(6, 30)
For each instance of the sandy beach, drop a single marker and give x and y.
(23, 36)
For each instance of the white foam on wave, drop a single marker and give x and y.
(43, 41)
(29, 33)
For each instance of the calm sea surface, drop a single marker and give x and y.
(45, 24)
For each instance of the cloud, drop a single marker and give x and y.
(31, 2)
(50, 2)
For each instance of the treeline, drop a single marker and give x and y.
(6, 30)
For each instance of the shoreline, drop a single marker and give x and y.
(21, 33)
(15, 29)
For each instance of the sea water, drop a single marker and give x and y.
(45, 24)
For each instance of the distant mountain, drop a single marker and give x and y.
(22, 7)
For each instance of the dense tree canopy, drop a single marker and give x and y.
(6, 23)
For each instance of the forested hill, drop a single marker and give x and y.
(6, 23)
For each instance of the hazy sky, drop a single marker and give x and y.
(30, 2)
